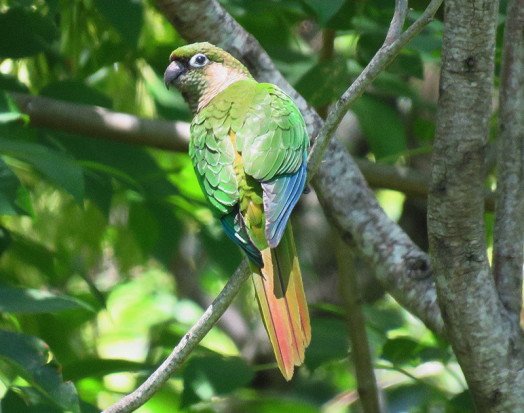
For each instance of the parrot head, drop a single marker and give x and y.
(200, 71)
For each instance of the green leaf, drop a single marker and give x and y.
(381, 125)
(9, 111)
(461, 403)
(126, 16)
(30, 357)
(56, 166)
(12, 84)
(404, 350)
(324, 82)
(400, 350)
(24, 33)
(407, 397)
(208, 376)
(30, 301)
(93, 367)
(407, 64)
(9, 190)
(383, 319)
(329, 342)
(76, 91)
(324, 10)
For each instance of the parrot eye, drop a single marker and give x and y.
(199, 60)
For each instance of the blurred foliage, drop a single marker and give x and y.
(108, 253)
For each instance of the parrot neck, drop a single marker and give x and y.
(216, 79)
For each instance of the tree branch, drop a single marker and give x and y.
(184, 348)
(399, 263)
(103, 123)
(488, 347)
(392, 46)
(360, 352)
(509, 218)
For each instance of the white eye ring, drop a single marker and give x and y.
(199, 60)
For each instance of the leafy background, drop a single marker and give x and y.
(108, 253)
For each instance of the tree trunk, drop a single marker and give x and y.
(487, 344)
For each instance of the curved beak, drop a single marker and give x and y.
(173, 71)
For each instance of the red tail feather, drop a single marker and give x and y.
(282, 303)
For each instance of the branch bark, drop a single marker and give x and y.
(188, 343)
(360, 352)
(508, 233)
(102, 123)
(488, 347)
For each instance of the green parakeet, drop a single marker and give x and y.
(248, 147)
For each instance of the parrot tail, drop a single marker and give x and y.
(282, 302)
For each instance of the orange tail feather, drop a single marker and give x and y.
(282, 302)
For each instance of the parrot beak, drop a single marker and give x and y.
(173, 72)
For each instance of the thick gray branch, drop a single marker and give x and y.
(340, 186)
(509, 218)
(487, 346)
(188, 343)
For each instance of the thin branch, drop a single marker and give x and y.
(360, 352)
(397, 22)
(509, 218)
(384, 56)
(184, 348)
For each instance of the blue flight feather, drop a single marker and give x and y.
(280, 197)
(235, 230)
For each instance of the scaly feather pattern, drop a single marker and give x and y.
(248, 147)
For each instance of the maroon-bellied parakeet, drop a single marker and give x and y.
(249, 150)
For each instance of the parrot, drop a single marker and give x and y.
(248, 146)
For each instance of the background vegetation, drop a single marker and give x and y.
(108, 253)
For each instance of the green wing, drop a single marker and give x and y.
(273, 141)
(212, 154)
(273, 137)
(269, 133)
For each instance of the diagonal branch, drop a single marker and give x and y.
(509, 218)
(385, 55)
(184, 348)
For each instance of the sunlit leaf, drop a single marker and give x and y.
(9, 111)
(30, 357)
